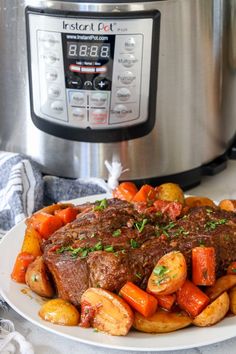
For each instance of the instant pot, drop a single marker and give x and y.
(137, 81)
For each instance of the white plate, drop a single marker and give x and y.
(28, 306)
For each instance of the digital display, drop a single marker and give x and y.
(88, 50)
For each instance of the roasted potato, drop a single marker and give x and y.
(168, 275)
(214, 312)
(60, 312)
(228, 204)
(232, 300)
(198, 201)
(221, 285)
(37, 279)
(31, 243)
(161, 322)
(111, 314)
(170, 192)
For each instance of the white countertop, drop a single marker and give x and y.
(220, 186)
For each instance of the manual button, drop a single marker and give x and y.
(121, 111)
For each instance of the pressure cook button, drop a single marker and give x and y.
(123, 94)
(79, 114)
(54, 91)
(57, 107)
(127, 60)
(127, 78)
(51, 75)
(102, 83)
(121, 111)
(129, 44)
(98, 99)
(77, 98)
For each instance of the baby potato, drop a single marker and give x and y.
(221, 285)
(60, 312)
(232, 300)
(170, 192)
(31, 243)
(168, 275)
(161, 322)
(198, 201)
(228, 204)
(214, 312)
(110, 313)
(37, 279)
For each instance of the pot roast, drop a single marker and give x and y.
(111, 242)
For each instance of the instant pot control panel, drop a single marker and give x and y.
(93, 78)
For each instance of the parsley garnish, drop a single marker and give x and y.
(101, 206)
(138, 275)
(109, 249)
(212, 224)
(160, 270)
(116, 233)
(133, 243)
(140, 224)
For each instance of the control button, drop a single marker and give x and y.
(48, 40)
(77, 98)
(123, 94)
(88, 85)
(87, 70)
(51, 75)
(129, 44)
(57, 107)
(102, 83)
(127, 60)
(54, 91)
(101, 69)
(74, 82)
(121, 111)
(50, 58)
(98, 99)
(127, 78)
(79, 114)
(99, 116)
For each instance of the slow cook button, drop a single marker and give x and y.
(126, 78)
(78, 114)
(98, 99)
(127, 60)
(57, 107)
(121, 111)
(99, 116)
(129, 44)
(123, 94)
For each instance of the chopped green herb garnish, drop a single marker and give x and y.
(101, 206)
(140, 224)
(133, 243)
(116, 233)
(98, 246)
(138, 275)
(160, 270)
(212, 224)
(109, 249)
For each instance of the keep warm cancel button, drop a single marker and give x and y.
(98, 116)
(121, 111)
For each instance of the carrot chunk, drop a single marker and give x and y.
(228, 204)
(67, 215)
(22, 262)
(125, 191)
(203, 266)
(191, 299)
(45, 224)
(140, 300)
(166, 301)
(145, 194)
(231, 268)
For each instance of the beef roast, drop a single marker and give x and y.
(111, 242)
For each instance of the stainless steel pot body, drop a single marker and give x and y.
(189, 128)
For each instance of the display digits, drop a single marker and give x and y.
(83, 49)
(104, 51)
(94, 51)
(72, 50)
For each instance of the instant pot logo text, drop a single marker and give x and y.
(88, 27)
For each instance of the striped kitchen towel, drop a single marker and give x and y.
(24, 189)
